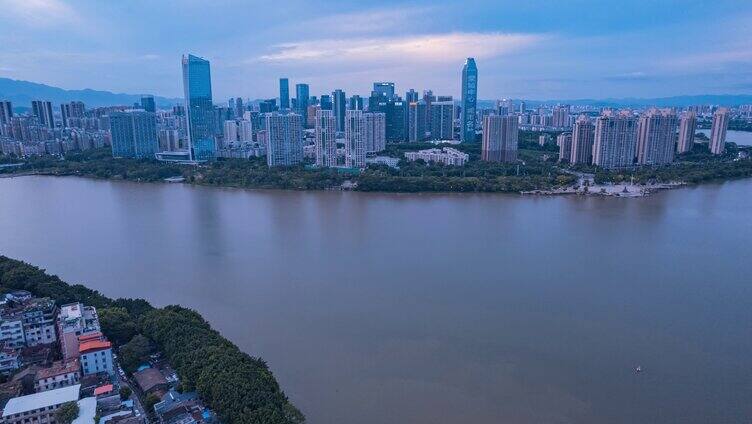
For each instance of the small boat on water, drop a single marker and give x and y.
(638, 369)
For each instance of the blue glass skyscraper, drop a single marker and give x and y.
(469, 100)
(198, 107)
(301, 97)
(284, 93)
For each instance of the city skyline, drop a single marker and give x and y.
(537, 50)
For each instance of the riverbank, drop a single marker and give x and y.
(240, 388)
(537, 173)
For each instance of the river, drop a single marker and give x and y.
(742, 138)
(388, 308)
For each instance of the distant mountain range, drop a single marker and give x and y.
(21, 93)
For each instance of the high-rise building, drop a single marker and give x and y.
(326, 138)
(245, 131)
(411, 96)
(72, 110)
(442, 121)
(356, 103)
(395, 112)
(302, 101)
(504, 107)
(339, 106)
(522, 106)
(284, 93)
(615, 140)
(355, 139)
(148, 104)
(230, 132)
(656, 137)
(326, 102)
(687, 126)
(417, 120)
(564, 141)
(134, 134)
(239, 108)
(560, 116)
(375, 132)
(6, 112)
(199, 109)
(583, 135)
(42, 109)
(718, 131)
(385, 89)
(284, 139)
(469, 100)
(499, 138)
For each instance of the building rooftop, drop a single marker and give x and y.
(42, 400)
(94, 345)
(58, 368)
(149, 379)
(101, 390)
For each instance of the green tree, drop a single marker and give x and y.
(67, 413)
(125, 393)
(117, 323)
(150, 401)
(135, 353)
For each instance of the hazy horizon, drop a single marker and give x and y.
(532, 50)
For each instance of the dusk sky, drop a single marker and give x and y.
(524, 49)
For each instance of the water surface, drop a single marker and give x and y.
(382, 308)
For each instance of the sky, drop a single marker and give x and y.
(524, 49)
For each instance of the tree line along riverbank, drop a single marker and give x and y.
(537, 170)
(239, 387)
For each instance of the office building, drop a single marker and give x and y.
(199, 109)
(326, 103)
(564, 141)
(326, 138)
(75, 110)
(42, 109)
(375, 132)
(417, 120)
(134, 134)
(302, 101)
(355, 139)
(356, 103)
(504, 107)
(656, 137)
(284, 138)
(395, 112)
(499, 138)
(339, 107)
(384, 89)
(442, 121)
(284, 93)
(148, 104)
(687, 127)
(239, 107)
(583, 135)
(469, 100)
(718, 131)
(615, 142)
(411, 96)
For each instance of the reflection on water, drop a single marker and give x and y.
(381, 308)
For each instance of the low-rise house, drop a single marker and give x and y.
(9, 359)
(60, 374)
(75, 320)
(95, 353)
(11, 331)
(36, 317)
(150, 380)
(38, 407)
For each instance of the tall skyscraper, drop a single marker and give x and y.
(134, 134)
(42, 109)
(148, 104)
(656, 137)
(583, 135)
(687, 127)
(615, 140)
(417, 120)
(239, 107)
(442, 121)
(355, 139)
(356, 103)
(6, 112)
(72, 110)
(326, 138)
(411, 96)
(375, 131)
(284, 133)
(469, 100)
(339, 106)
(326, 102)
(230, 132)
(564, 141)
(499, 138)
(284, 93)
(245, 131)
(199, 109)
(718, 131)
(385, 89)
(302, 101)
(560, 116)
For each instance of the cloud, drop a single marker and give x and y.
(369, 21)
(38, 13)
(448, 47)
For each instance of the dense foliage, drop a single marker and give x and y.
(67, 413)
(240, 388)
(135, 352)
